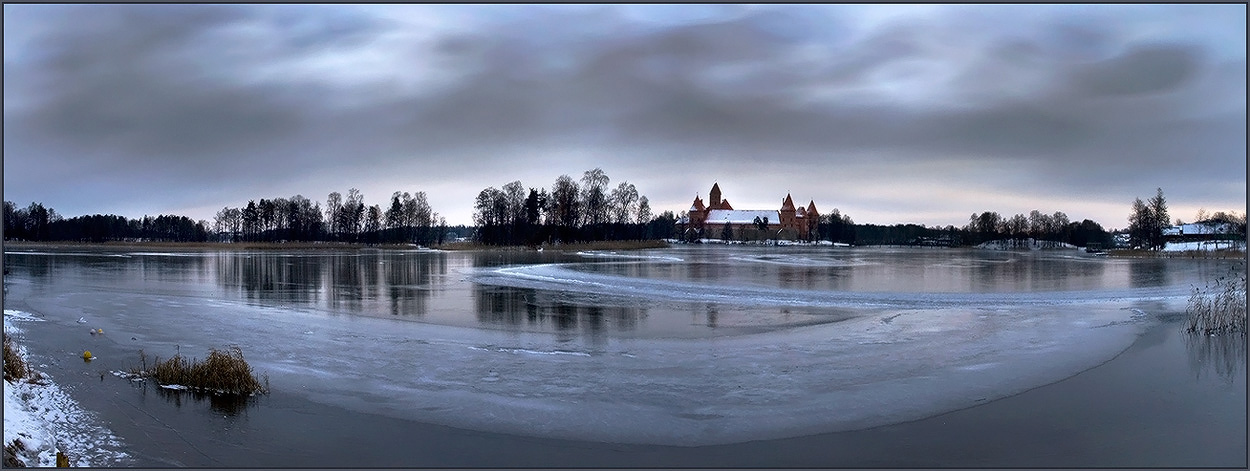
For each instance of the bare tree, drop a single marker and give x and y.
(644, 210)
(594, 196)
(565, 205)
(373, 222)
(514, 193)
(623, 199)
(334, 206)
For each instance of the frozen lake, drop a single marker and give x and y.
(689, 346)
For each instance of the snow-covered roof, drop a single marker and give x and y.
(740, 216)
(1198, 228)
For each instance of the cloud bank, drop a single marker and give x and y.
(891, 114)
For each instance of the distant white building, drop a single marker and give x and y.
(1200, 230)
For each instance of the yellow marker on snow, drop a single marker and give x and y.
(86, 355)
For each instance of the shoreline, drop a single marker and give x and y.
(1228, 254)
(240, 246)
(203, 247)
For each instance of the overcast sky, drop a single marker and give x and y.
(892, 114)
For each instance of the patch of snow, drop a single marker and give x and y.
(1207, 245)
(46, 420)
(595, 253)
(12, 317)
(531, 352)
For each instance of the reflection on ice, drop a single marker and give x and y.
(1224, 355)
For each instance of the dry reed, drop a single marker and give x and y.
(14, 366)
(224, 371)
(1220, 307)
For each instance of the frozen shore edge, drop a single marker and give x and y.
(46, 420)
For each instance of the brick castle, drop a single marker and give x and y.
(787, 223)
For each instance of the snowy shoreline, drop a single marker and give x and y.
(45, 419)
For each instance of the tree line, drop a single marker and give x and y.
(407, 219)
(571, 211)
(37, 223)
(1037, 225)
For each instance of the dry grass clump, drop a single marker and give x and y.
(14, 366)
(11, 451)
(1220, 307)
(224, 371)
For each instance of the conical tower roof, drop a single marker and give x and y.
(788, 204)
(811, 207)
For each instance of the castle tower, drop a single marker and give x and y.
(813, 219)
(697, 212)
(713, 198)
(786, 214)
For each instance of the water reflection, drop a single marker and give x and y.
(293, 280)
(166, 268)
(530, 308)
(399, 283)
(36, 267)
(1224, 355)
(230, 405)
(1148, 272)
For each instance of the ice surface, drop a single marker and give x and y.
(559, 277)
(901, 364)
(898, 355)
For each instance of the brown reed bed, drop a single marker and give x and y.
(223, 372)
(1219, 307)
(15, 367)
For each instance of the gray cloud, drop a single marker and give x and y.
(227, 98)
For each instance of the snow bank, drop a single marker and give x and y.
(46, 420)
